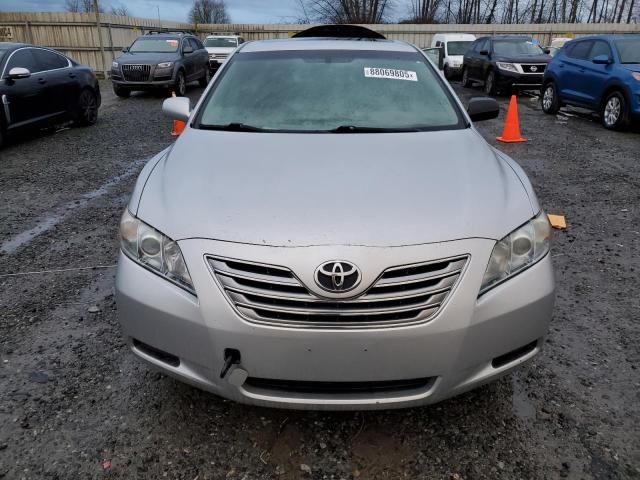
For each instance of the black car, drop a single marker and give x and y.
(161, 60)
(505, 63)
(41, 87)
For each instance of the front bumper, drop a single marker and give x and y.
(523, 81)
(455, 349)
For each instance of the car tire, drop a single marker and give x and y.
(87, 108)
(490, 83)
(180, 87)
(615, 111)
(465, 78)
(549, 98)
(121, 91)
(204, 81)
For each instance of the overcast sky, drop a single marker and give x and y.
(241, 11)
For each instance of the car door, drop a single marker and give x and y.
(571, 69)
(24, 99)
(188, 59)
(62, 87)
(594, 77)
(202, 60)
(481, 59)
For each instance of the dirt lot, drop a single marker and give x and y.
(76, 404)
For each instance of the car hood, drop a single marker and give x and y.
(146, 57)
(328, 189)
(524, 59)
(220, 49)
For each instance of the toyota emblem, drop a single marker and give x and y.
(337, 276)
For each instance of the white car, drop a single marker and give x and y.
(220, 47)
(455, 45)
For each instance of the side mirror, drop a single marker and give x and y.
(187, 49)
(18, 72)
(601, 59)
(546, 51)
(484, 52)
(483, 108)
(177, 108)
(125, 49)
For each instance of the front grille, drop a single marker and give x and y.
(533, 68)
(339, 388)
(218, 56)
(273, 295)
(136, 73)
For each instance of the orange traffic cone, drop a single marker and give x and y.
(511, 132)
(178, 125)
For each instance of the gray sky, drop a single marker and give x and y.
(241, 11)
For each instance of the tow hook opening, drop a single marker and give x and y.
(232, 370)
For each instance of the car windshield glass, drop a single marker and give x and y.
(628, 50)
(336, 90)
(514, 48)
(221, 42)
(155, 45)
(457, 48)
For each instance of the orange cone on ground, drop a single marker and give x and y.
(178, 125)
(511, 132)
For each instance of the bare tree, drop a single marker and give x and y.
(346, 11)
(424, 11)
(209, 11)
(121, 10)
(80, 6)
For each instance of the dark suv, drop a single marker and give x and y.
(161, 60)
(505, 63)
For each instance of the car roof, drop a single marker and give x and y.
(12, 45)
(618, 36)
(323, 43)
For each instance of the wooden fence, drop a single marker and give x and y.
(76, 34)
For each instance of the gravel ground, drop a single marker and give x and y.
(76, 404)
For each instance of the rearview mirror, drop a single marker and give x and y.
(601, 59)
(177, 108)
(483, 108)
(18, 72)
(187, 49)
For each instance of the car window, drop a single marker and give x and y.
(516, 48)
(198, 43)
(628, 50)
(580, 50)
(457, 48)
(599, 48)
(194, 44)
(483, 45)
(155, 45)
(23, 58)
(318, 91)
(48, 60)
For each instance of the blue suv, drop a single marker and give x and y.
(601, 73)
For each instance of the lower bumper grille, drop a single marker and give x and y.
(401, 295)
(339, 388)
(136, 73)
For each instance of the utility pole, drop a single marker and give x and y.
(96, 10)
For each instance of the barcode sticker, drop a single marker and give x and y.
(390, 73)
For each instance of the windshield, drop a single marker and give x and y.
(516, 48)
(457, 48)
(221, 42)
(320, 91)
(155, 45)
(628, 50)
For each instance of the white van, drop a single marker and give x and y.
(455, 45)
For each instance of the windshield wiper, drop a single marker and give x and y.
(356, 129)
(233, 127)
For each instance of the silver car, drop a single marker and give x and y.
(331, 232)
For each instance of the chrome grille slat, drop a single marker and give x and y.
(136, 73)
(273, 295)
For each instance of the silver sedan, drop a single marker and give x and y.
(331, 232)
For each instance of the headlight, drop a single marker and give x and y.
(636, 75)
(114, 64)
(510, 67)
(520, 249)
(147, 246)
(165, 64)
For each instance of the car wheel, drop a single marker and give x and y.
(490, 83)
(204, 81)
(465, 78)
(447, 72)
(550, 100)
(181, 84)
(121, 92)
(87, 109)
(615, 112)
